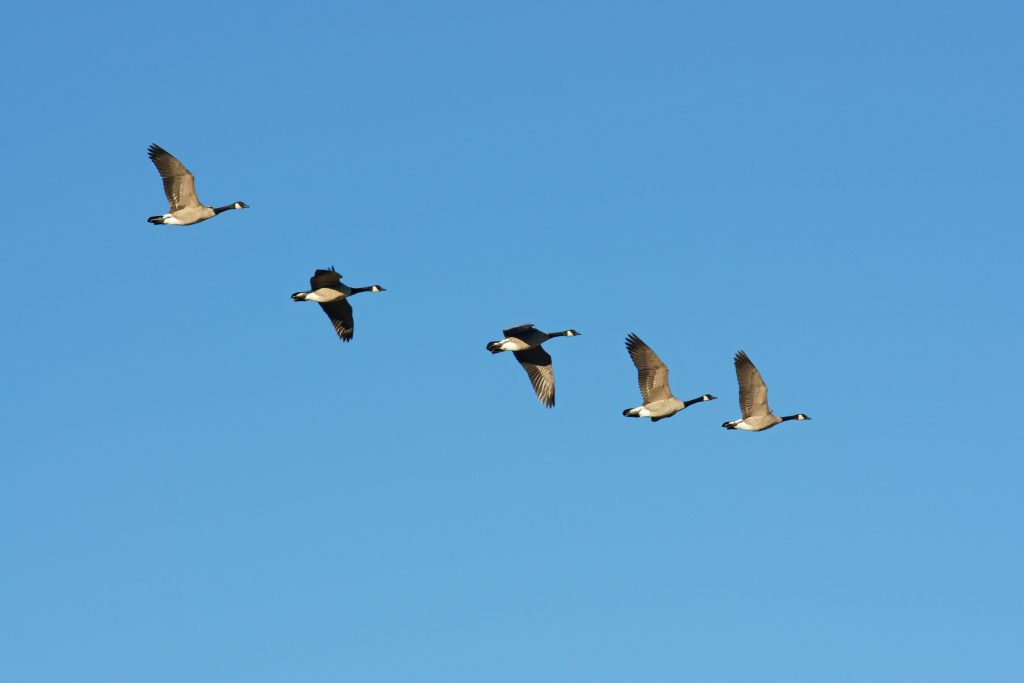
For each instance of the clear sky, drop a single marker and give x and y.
(201, 483)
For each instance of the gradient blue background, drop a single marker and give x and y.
(200, 483)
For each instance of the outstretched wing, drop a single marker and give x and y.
(517, 330)
(537, 363)
(340, 313)
(324, 278)
(179, 184)
(652, 374)
(753, 391)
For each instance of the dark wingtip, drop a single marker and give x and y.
(633, 341)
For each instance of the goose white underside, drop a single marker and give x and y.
(740, 424)
(169, 219)
(323, 296)
(643, 411)
(513, 345)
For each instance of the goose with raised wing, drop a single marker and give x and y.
(180, 188)
(652, 376)
(757, 416)
(327, 289)
(524, 342)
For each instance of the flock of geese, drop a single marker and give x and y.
(524, 341)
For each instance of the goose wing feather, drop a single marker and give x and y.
(340, 313)
(179, 183)
(324, 278)
(753, 390)
(537, 363)
(517, 330)
(652, 373)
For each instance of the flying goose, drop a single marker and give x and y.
(180, 188)
(757, 416)
(327, 290)
(652, 376)
(524, 342)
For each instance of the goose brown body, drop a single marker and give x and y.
(757, 415)
(180, 189)
(524, 341)
(327, 289)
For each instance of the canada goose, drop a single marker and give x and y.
(652, 376)
(524, 342)
(180, 188)
(327, 290)
(757, 416)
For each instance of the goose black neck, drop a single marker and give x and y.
(563, 333)
(223, 208)
(357, 290)
(791, 417)
(687, 404)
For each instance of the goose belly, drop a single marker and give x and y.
(189, 216)
(513, 344)
(663, 408)
(758, 423)
(323, 296)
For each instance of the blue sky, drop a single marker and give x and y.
(201, 483)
